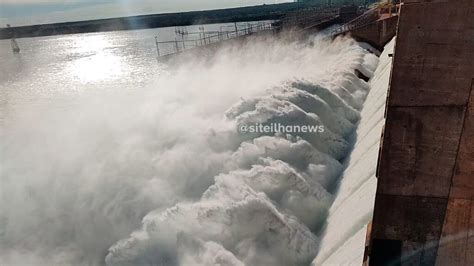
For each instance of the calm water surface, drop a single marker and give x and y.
(60, 69)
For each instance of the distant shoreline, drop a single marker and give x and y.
(250, 13)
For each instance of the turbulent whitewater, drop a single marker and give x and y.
(161, 176)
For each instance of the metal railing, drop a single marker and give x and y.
(361, 21)
(184, 40)
(367, 18)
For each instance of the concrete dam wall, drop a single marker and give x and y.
(423, 208)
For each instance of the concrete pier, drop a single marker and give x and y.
(424, 211)
(376, 26)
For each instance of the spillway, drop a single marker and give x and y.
(168, 180)
(344, 236)
(276, 191)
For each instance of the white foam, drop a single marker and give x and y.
(161, 176)
(263, 210)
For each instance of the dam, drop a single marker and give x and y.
(425, 169)
(422, 183)
(137, 162)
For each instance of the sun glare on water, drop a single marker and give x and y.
(96, 60)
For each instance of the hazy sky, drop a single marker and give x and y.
(21, 12)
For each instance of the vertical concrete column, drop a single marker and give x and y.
(423, 208)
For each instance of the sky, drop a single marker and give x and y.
(27, 12)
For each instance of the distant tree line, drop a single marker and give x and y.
(253, 13)
(337, 2)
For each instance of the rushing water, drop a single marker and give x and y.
(111, 157)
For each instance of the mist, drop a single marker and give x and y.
(160, 176)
